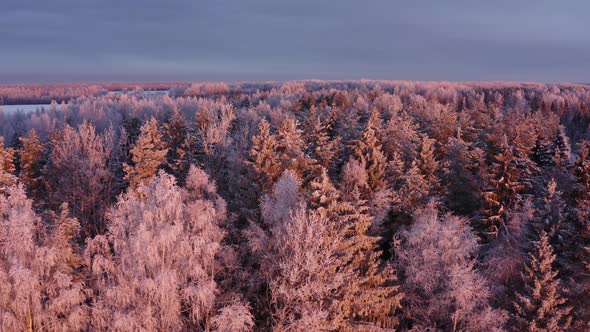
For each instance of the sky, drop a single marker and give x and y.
(262, 40)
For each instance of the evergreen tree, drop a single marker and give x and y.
(427, 164)
(319, 142)
(290, 149)
(541, 307)
(322, 195)
(31, 161)
(581, 245)
(543, 153)
(66, 303)
(461, 178)
(563, 149)
(357, 289)
(7, 167)
(505, 256)
(552, 214)
(582, 174)
(263, 157)
(504, 187)
(148, 154)
(401, 136)
(414, 191)
(368, 151)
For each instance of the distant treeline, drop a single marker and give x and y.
(25, 94)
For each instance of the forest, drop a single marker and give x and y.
(296, 206)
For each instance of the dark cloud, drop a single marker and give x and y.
(153, 40)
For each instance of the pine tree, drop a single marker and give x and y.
(263, 157)
(371, 298)
(322, 195)
(504, 187)
(461, 178)
(321, 146)
(427, 164)
(401, 136)
(358, 289)
(505, 256)
(541, 307)
(66, 303)
(581, 245)
(563, 148)
(290, 149)
(31, 161)
(395, 171)
(582, 174)
(148, 154)
(553, 212)
(543, 153)
(414, 191)
(368, 151)
(7, 168)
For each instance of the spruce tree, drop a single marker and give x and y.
(562, 146)
(320, 145)
(148, 154)
(368, 150)
(427, 164)
(371, 297)
(290, 149)
(414, 190)
(504, 187)
(263, 157)
(461, 178)
(363, 293)
(400, 136)
(541, 307)
(581, 247)
(31, 162)
(322, 195)
(553, 212)
(7, 168)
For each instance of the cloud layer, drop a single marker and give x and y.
(56, 41)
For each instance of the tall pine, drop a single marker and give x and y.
(263, 157)
(368, 150)
(7, 168)
(148, 154)
(541, 307)
(31, 163)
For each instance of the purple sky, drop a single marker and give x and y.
(193, 40)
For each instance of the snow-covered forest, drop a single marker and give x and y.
(297, 206)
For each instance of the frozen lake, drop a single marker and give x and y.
(27, 108)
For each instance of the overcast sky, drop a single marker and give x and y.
(241, 40)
